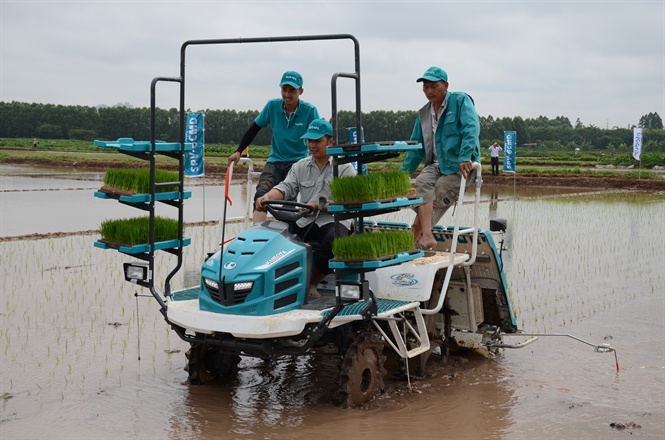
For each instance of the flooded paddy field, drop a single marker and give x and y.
(83, 357)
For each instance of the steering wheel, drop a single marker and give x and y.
(286, 210)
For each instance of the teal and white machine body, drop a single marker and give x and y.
(264, 271)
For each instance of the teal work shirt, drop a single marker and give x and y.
(457, 137)
(286, 145)
(309, 183)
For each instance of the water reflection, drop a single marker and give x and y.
(24, 200)
(494, 204)
(279, 398)
(72, 209)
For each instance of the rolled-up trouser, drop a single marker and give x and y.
(441, 189)
(272, 174)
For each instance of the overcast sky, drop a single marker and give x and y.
(600, 61)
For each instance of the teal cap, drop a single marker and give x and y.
(434, 74)
(317, 129)
(291, 78)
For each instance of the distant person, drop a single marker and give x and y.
(495, 148)
(310, 179)
(448, 128)
(34, 144)
(289, 117)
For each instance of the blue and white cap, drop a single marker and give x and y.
(317, 129)
(291, 78)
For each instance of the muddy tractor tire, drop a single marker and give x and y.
(362, 371)
(206, 364)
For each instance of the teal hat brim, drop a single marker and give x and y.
(429, 78)
(290, 83)
(313, 136)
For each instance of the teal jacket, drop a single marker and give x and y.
(457, 137)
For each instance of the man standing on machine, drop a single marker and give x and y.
(289, 117)
(448, 128)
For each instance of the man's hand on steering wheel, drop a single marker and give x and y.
(315, 207)
(286, 210)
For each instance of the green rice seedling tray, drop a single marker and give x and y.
(143, 198)
(142, 248)
(398, 202)
(389, 260)
(356, 149)
(129, 144)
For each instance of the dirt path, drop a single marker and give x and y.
(578, 181)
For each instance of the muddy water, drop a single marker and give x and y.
(72, 331)
(64, 202)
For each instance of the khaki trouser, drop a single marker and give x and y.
(441, 189)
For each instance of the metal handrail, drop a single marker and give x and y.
(457, 233)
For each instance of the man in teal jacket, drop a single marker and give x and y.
(449, 129)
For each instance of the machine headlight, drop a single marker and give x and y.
(353, 290)
(211, 283)
(247, 285)
(347, 291)
(135, 272)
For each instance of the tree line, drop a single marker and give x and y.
(49, 121)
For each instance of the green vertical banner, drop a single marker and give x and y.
(509, 144)
(194, 158)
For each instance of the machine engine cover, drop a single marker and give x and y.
(265, 271)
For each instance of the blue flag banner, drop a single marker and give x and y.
(637, 143)
(353, 139)
(509, 144)
(194, 158)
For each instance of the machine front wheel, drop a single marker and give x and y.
(362, 371)
(206, 364)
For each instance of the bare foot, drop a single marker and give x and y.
(427, 241)
(313, 293)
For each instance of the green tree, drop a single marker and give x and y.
(651, 121)
(26, 120)
(50, 131)
(81, 134)
(521, 130)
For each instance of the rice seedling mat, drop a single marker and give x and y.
(377, 263)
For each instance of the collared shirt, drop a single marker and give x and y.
(286, 145)
(494, 151)
(310, 184)
(435, 122)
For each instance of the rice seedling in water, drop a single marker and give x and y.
(370, 187)
(134, 231)
(138, 180)
(372, 245)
